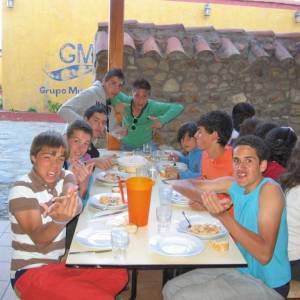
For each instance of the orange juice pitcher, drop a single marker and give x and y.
(139, 195)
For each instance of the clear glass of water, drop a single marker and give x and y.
(119, 242)
(165, 193)
(147, 148)
(163, 218)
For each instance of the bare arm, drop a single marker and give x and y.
(192, 188)
(64, 208)
(260, 245)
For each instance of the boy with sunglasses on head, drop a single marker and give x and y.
(41, 203)
(141, 116)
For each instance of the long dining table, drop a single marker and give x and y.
(139, 253)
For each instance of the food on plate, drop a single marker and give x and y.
(220, 245)
(115, 189)
(111, 200)
(166, 173)
(205, 229)
(111, 177)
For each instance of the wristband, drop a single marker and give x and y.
(61, 222)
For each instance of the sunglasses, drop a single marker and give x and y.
(134, 122)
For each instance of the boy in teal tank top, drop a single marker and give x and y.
(259, 228)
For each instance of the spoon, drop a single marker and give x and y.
(189, 223)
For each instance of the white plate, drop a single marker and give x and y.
(178, 199)
(102, 177)
(95, 201)
(176, 245)
(168, 163)
(94, 238)
(183, 226)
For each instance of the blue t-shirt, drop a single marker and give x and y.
(246, 209)
(193, 161)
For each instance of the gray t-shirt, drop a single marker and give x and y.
(74, 108)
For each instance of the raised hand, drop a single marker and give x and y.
(64, 208)
(213, 204)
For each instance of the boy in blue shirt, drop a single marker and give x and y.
(259, 228)
(191, 153)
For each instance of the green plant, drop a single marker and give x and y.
(32, 109)
(53, 106)
(12, 110)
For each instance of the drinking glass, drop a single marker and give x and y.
(119, 242)
(163, 218)
(165, 193)
(147, 148)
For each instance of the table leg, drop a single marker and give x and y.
(134, 275)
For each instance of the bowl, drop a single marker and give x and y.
(131, 163)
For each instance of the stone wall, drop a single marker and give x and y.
(204, 82)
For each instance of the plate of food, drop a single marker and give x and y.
(99, 239)
(108, 201)
(204, 227)
(163, 167)
(176, 244)
(111, 177)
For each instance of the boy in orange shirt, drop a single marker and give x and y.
(213, 134)
(214, 131)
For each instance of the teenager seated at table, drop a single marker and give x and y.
(96, 117)
(79, 135)
(141, 116)
(258, 227)
(191, 154)
(281, 141)
(213, 134)
(290, 182)
(41, 203)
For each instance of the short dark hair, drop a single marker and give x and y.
(141, 84)
(51, 139)
(114, 73)
(240, 112)
(97, 108)
(263, 128)
(281, 141)
(79, 125)
(187, 128)
(218, 121)
(256, 143)
(249, 126)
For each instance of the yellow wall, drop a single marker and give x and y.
(43, 40)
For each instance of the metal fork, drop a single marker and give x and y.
(189, 223)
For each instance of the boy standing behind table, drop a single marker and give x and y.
(142, 116)
(191, 155)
